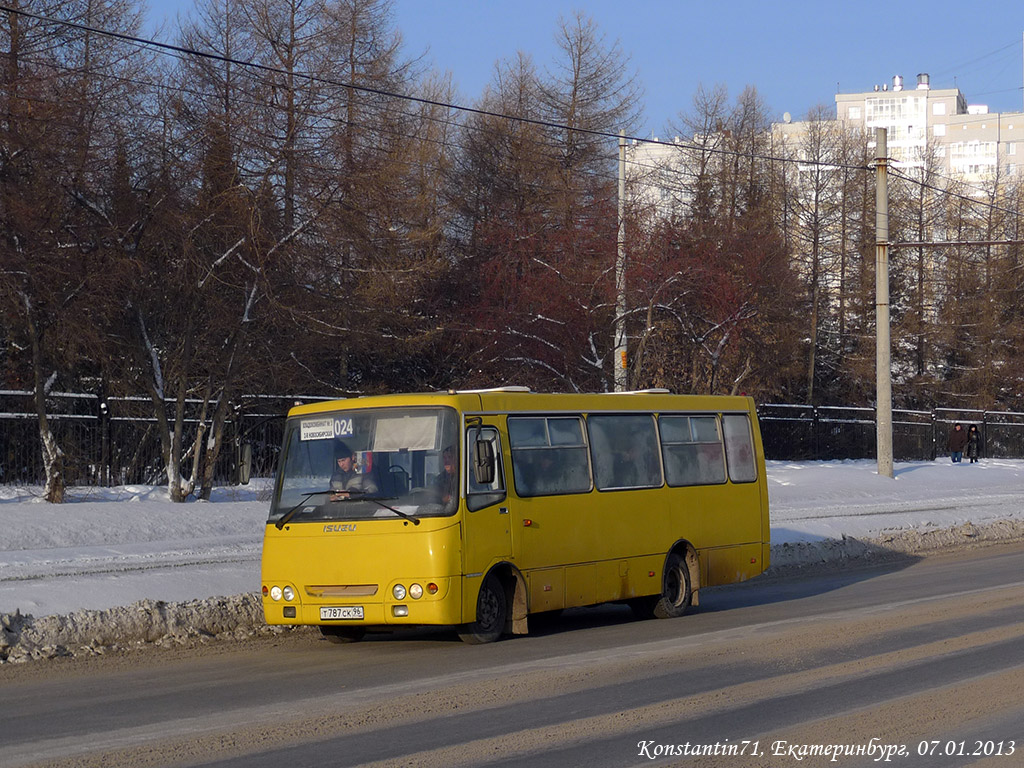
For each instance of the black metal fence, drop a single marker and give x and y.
(805, 432)
(115, 441)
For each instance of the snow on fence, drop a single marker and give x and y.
(114, 440)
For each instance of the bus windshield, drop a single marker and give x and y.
(366, 464)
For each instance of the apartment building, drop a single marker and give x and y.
(966, 141)
(969, 142)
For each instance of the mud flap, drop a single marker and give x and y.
(519, 606)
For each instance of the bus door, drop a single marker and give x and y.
(555, 538)
(485, 528)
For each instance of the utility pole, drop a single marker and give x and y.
(883, 365)
(621, 371)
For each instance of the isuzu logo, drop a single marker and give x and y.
(340, 528)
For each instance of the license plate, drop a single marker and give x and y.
(328, 613)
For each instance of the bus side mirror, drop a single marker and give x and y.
(483, 464)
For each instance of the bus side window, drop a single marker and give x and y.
(481, 496)
(693, 450)
(625, 450)
(549, 455)
(739, 448)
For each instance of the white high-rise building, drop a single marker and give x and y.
(966, 142)
(969, 141)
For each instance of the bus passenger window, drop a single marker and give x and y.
(625, 450)
(528, 432)
(549, 456)
(739, 448)
(693, 450)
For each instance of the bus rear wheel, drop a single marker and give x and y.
(342, 635)
(491, 613)
(676, 593)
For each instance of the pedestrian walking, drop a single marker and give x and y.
(973, 443)
(956, 443)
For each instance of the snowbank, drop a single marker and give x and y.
(828, 511)
(117, 567)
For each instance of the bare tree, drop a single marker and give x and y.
(702, 131)
(59, 148)
(590, 87)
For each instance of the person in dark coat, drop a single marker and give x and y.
(346, 479)
(973, 443)
(446, 486)
(957, 442)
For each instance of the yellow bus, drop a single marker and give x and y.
(476, 509)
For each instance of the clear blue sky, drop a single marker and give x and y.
(796, 53)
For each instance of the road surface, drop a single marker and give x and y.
(917, 656)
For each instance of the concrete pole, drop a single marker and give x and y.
(883, 365)
(621, 370)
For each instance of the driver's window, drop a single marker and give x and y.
(483, 495)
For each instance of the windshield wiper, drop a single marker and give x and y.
(291, 512)
(357, 496)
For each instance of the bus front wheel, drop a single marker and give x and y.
(491, 613)
(676, 593)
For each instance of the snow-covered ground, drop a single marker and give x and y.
(106, 547)
(110, 548)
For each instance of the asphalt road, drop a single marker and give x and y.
(873, 663)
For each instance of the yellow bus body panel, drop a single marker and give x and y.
(360, 566)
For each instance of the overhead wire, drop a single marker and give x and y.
(978, 59)
(369, 146)
(185, 54)
(333, 118)
(952, 193)
(177, 49)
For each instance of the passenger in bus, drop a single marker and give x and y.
(447, 483)
(347, 481)
(626, 470)
(537, 473)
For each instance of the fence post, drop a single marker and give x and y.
(104, 419)
(814, 429)
(934, 436)
(984, 435)
(236, 442)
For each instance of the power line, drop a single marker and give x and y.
(177, 49)
(984, 56)
(304, 75)
(951, 193)
(184, 53)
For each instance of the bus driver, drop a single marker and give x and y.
(446, 485)
(346, 481)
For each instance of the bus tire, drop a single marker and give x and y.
(491, 614)
(676, 593)
(342, 635)
(675, 590)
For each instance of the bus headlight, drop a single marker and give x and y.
(415, 591)
(275, 593)
(288, 593)
(398, 592)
